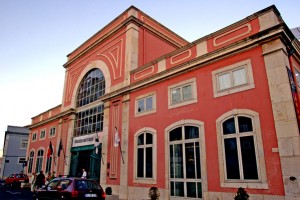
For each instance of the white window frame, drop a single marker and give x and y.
(43, 134)
(52, 131)
(23, 142)
(30, 161)
(39, 160)
(246, 64)
(180, 85)
(34, 136)
(143, 98)
(152, 180)
(261, 183)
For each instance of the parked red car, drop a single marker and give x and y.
(15, 180)
(70, 188)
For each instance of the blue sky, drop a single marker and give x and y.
(36, 36)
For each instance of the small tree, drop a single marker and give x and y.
(154, 193)
(241, 194)
(108, 191)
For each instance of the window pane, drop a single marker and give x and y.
(187, 92)
(172, 188)
(191, 189)
(245, 124)
(224, 81)
(140, 163)
(231, 157)
(176, 95)
(179, 189)
(229, 126)
(249, 158)
(149, 164)
(172, 163)
(199, 185)
(239, 77)
(191, 132)
(176, 134)
(149, 139)
(141, 107)
(141, 139)
(149, 103)
(178, 160)
(190, 160)
(198, 161)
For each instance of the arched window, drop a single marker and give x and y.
(145, 155)
(185, 162)
(39, 160)
(90, 119)
(241, 152)
(49, 163)
(30, 161)
(91, 87)
(239, 148)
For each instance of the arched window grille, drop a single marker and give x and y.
(90, 119)
(91, 87)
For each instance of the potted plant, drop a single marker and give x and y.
(108, 191)
(241, 194)
(154, 193)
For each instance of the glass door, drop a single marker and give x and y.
(185, 163)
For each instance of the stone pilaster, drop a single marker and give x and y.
(276, 61)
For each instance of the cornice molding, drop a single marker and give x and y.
(51, 119)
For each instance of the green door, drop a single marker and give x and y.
(95, 165)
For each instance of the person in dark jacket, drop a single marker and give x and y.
(40, 180)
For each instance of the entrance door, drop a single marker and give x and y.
(95, 165)
(185, 163)
(74, 163)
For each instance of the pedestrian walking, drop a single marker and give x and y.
(83, 173)
(32, 181)
(40, 180)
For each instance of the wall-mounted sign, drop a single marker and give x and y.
(84, 140)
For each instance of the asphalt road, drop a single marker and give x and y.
(15, 194)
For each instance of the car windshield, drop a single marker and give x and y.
(52, 184)
(86, 184)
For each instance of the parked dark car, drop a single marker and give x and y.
(15, 180)
(70, 188)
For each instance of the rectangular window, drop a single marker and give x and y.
(43, 134)
(21, 160)
(24, 144)
(34, 136)
(89, 121)
(52, 131)
(182, 93)
(234, 78)
(145, 104)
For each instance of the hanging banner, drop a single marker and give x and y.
(294, 95)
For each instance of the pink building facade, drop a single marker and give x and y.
(143, 107)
